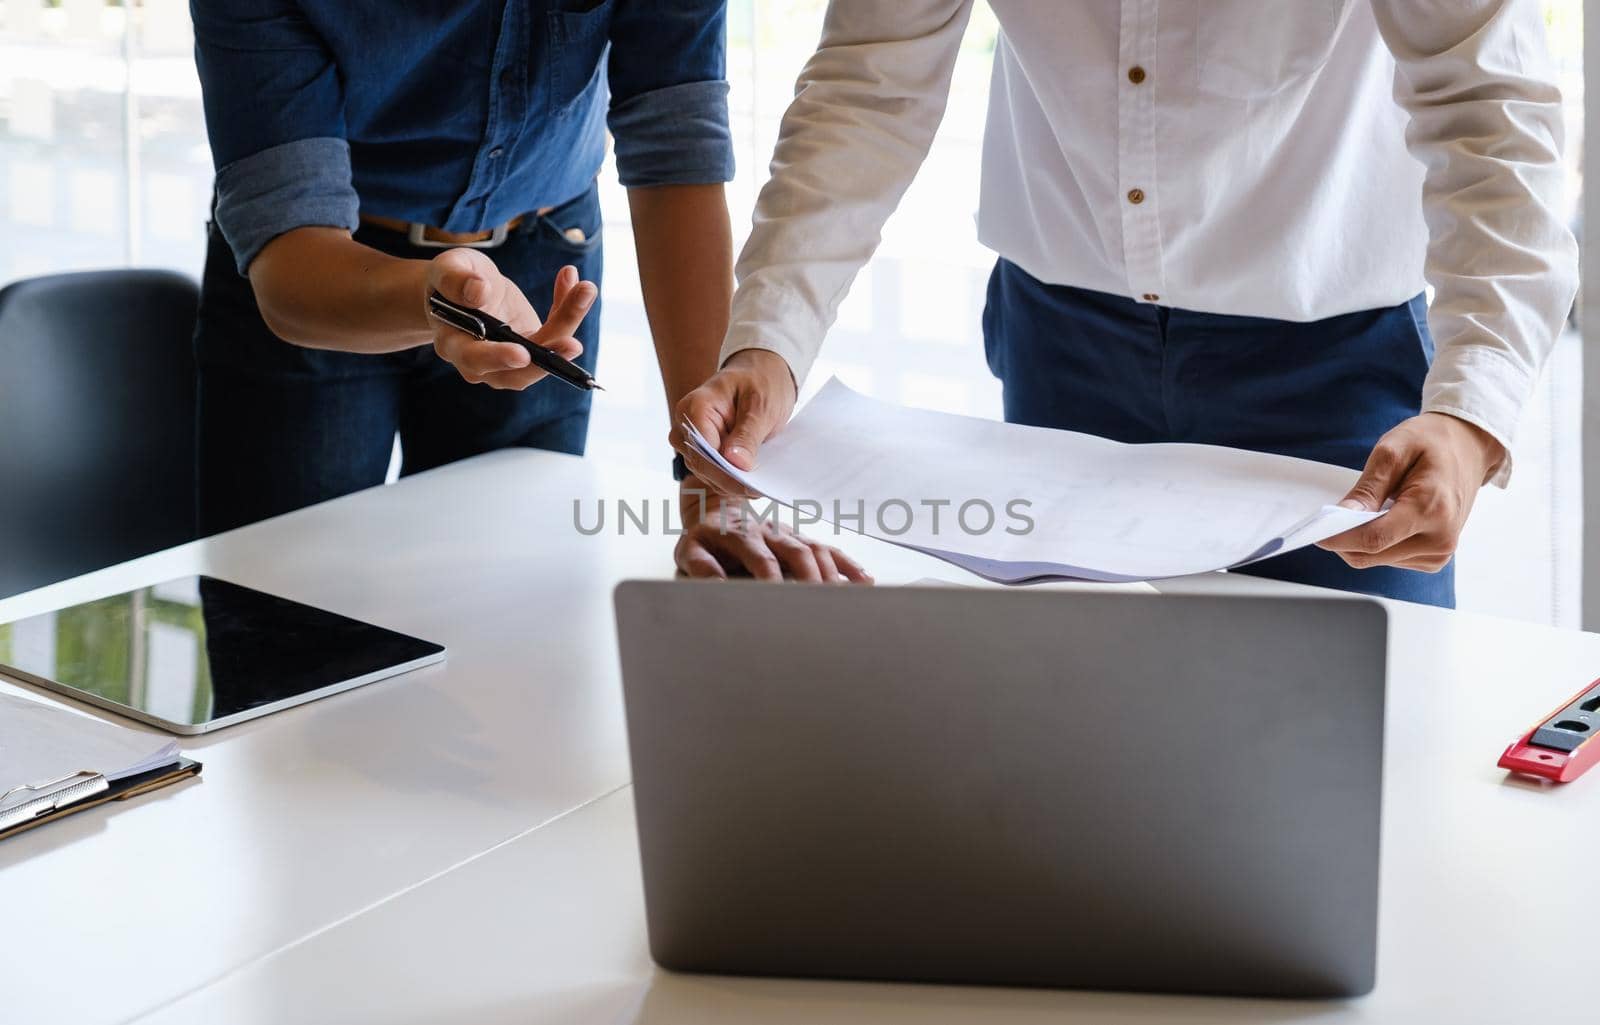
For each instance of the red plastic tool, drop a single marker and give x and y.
(1563, 746)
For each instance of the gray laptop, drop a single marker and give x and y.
(958, 785)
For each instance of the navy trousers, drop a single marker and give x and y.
(282, 426)
(1102, 364)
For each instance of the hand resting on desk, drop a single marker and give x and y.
(721, 539)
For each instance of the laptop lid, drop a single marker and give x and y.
(959, 785)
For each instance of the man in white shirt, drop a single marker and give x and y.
(1215, 221)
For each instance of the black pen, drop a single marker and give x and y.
(484, 327)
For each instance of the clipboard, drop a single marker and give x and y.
(85, 789)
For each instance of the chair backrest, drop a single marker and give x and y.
(97, 409)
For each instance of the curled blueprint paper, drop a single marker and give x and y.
(1019, 504)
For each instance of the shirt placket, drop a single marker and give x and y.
(507, 89)
(1138, 74)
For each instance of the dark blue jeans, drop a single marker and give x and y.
(281, 427)
(1101, 364)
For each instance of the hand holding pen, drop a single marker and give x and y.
(486, 328)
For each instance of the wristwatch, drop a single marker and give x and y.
(680, 469)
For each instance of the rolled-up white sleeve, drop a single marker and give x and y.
(865, 111)
(1485, 120)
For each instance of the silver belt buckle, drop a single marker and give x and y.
(416, 234)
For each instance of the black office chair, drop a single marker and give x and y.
(97, 403)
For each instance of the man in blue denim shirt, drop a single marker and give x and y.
(369, 153)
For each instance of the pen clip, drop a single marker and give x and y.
(459, 317)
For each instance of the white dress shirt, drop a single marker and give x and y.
(1294, 159)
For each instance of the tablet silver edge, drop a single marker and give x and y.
(196, 729)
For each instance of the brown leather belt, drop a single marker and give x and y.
(430, 237)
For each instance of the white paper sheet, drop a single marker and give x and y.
(1062, 504)
(40, 742)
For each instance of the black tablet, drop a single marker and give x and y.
(195, 654)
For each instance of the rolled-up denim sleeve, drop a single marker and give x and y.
(275, 118)
(669, 92)
(300, 184)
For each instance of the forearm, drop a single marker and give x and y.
(863, 118)
(1485, 113)
(319, 288)
(685, 253)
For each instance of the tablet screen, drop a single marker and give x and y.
(197, 650)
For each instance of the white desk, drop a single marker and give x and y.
(1481, 882)
(311, 816)
(453, 845)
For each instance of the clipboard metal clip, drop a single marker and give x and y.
(53, 795)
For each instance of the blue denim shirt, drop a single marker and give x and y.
(459, 114)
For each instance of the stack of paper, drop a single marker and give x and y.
(40, 743)
(1017, 504)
